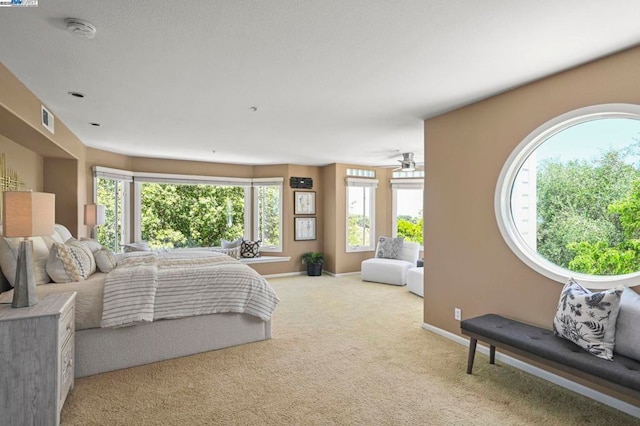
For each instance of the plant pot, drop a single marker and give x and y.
(314, 269)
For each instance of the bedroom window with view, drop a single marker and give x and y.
(407, 195)
(567, 201)
(267, 195)
(361, 204)
(177, 215)
(112, 191)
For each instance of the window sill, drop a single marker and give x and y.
(265, 259)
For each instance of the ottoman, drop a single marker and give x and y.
(415, 281)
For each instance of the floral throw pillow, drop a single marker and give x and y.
(249, 249)
(389, 248)
(588, 319)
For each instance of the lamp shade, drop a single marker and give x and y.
(94, 214)
(28, 214)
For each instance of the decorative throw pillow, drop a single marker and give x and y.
(231, 244)
(105, 260)
(138, 246)
(389, 248)
(250, 249)
(627, 335)
(588, 319)
(69, 261)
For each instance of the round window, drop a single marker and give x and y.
(568, 198)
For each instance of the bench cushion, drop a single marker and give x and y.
(544, 343)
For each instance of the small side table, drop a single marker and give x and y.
(37, 359)
(420, 263)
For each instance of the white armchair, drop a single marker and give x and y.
(391, 271)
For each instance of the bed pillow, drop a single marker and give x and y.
(627, 335)
(92, 244)
(389, 248)
(231, 244)
(9, 257)
(106, 261)
(588, 319)
(70, 261)
(249, 249)
(138, 246)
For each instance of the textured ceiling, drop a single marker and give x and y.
(332, 80)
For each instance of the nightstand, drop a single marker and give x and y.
(36, 360)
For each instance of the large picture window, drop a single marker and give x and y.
(361, 202)
(568, 198)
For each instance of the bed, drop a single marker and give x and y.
(197, 321)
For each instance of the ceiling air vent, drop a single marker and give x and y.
(80, 28)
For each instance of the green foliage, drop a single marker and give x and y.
(411, 229)
(268, 215)
(359, 230)
(313, 257)
(109, 194)
(588, 214)
(176, 216)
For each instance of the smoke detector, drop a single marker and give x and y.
(80, 28)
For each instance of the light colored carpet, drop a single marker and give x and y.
(343, 352)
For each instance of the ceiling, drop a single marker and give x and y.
(346, 81)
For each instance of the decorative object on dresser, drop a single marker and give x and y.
(26, 214)
(38, 360)
(94, 215)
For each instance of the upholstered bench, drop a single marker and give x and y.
(541, 345)
(415, 281)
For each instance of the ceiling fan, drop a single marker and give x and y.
(406, 164)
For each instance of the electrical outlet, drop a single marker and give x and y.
(457, 314)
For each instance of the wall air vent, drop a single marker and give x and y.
(47, 119)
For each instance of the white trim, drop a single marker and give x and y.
(407, 183)
(137, 211)
(502, 197)
(265, 259)
(274, 181)
(351, 181)
(109, 173)
(286, 274)
(544, 374)
(190, 179)
(344, 274)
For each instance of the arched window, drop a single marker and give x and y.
(568, 198)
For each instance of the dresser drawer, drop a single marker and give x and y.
(67, 324)
(66, 370)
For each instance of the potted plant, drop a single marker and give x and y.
(314, 261)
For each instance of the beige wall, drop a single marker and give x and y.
(26, 163)
(467, 263)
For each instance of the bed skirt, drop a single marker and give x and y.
(99, 350)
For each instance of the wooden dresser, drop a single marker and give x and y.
(36, 360)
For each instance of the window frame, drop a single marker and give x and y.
(268, 182)
(125, 178)
(404, 184)
(502, 197)
(372, 184)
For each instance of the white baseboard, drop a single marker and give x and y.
(341, 275)
(285, 274)
(553, 378)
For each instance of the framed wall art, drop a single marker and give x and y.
(304, 202)
(305, 228)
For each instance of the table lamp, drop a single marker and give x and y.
(94, 214)
(26, 214)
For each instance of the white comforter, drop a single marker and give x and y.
(148, 286)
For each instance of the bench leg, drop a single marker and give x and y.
(492, 354)
(472, 354)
